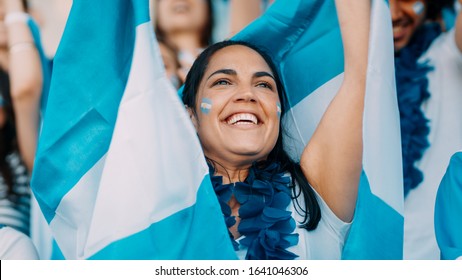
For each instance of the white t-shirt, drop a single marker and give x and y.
(444, 110)
(324, 243)
(15, 245)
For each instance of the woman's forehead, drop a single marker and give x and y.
(237, 57)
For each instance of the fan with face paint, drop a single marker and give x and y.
(408, 15)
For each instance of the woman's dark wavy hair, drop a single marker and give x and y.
(206, 34)
(311, 210)
(7, 131)
(434, 7)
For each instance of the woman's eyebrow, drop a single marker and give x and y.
(263, 74)
(224, 71)
(234, 73)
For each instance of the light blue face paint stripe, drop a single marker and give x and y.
(206, 105)
(418, 8)
(88, 82)
(180, 236)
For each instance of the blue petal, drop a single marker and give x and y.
(281, 201)
(269, 239)
(272, 215)
(285, 226)
(253, 207)
(252, 225)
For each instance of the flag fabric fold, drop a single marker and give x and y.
(448, 206)
(119, 171)
(304, 39)
(39, 229)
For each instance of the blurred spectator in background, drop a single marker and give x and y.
(428, 62)
(21, 86)
(190, 25)
(172, 65)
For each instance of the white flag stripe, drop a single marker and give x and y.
(305, 116)
(133, 176)
(73, 216)
(382, 139)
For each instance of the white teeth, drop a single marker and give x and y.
(243, 117)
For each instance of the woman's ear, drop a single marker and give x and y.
(193, 117)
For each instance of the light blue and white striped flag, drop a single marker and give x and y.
(39, 232)
(45, 61)
(304, 39)
(119, 172)
(448, 209)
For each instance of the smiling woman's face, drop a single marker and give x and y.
(238, 109)
(407, 16)
(180, 15)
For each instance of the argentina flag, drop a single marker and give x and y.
(303, 37)
(448, 207)
(119, 171)
(45, 61)
(39, 231)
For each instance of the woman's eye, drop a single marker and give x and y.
(265, 85)
(221, 83)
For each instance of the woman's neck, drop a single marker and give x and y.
(186, 42)
(230, 174)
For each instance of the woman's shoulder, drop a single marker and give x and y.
(326, 241)
(15, 245)
(328, 218)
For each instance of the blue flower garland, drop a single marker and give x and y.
(412, 90)
(265, 223)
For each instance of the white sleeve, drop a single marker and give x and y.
(444, 48)
(339, 227)
(15, 245)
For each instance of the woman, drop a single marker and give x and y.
(21, 85)
(236, 101)
(169, 55)
(428, 63)
(20, 59)
(188, 25)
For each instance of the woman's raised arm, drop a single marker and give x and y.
(332, 160)
(25, 78)
(459, 28)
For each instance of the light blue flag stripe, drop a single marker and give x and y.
(135, 184)
(89, 103)
(448, 210)
(381, 194)
(304, 39)
(46, 63)
(377, 232)
(296, 33)
(180, 244)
